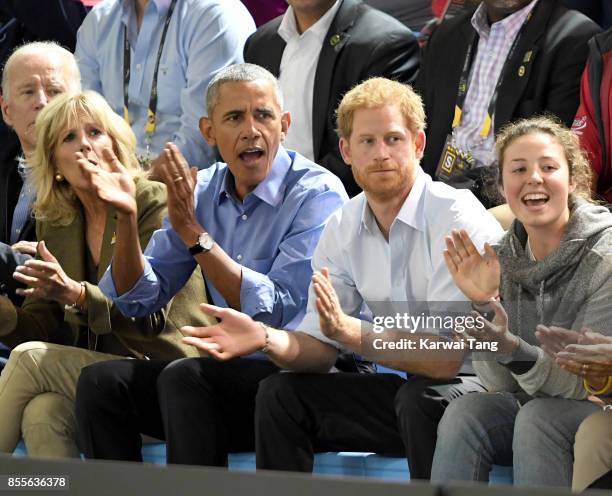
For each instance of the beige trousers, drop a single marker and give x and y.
(37, 393)
(592, 449)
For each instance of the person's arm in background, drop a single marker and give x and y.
(86, 54)
(213, 39)
(586, 128)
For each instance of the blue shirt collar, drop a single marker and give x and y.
(271, 190)
(128, 9)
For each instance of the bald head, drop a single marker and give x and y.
(46, 50)
(33, 74)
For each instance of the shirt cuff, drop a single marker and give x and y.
(521, 360)
(256, 293)
(138, 299)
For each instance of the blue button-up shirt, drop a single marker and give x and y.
(22, 209)
(203, 37)
(272, 234)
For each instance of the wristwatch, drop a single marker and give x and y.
(204, 244)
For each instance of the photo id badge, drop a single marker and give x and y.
(453, 166)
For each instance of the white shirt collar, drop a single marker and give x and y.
(288, 25)
(410, 213)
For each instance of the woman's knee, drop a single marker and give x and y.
(467, 411)
(595, 429)
(48, 426)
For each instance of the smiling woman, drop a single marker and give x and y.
(553, 267)
(541, 173)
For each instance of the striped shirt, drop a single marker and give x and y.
(494, 45)
(22, 209)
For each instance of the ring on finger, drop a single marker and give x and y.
(179, 178)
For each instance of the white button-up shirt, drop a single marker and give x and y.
(410, 267)
(297, 74)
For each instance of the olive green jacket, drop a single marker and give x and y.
(154, 336)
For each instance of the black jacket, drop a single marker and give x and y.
(371, 44)
(10, 187)
(543, 74)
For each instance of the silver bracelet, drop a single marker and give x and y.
(266, 347)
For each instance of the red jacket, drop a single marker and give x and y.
(594, 115)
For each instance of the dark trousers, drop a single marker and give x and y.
(604, 482)
(204, 409)
(9, 260)
(298, 415)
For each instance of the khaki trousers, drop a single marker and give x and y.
(37, 393)
(592, 449)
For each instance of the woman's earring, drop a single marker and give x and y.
(59, 178)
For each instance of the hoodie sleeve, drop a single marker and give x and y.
(493, 375)
(546, 377)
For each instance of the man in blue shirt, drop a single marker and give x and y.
(152, 60)
(252, 225)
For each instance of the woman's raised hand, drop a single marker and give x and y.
(113, 184)
(476, 275)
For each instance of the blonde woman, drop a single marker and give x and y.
(553, 268)
(66, 322)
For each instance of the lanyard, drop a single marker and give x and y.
(152, 108)
(463, 82)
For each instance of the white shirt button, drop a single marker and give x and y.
(244, 217)
(238, 257)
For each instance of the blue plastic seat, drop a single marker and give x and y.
(343, 463)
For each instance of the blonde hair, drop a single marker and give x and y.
(580, 172)
(378, 92)
(56, 201)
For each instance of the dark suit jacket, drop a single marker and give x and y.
(556, 40)
(371, 44)
(10, 187)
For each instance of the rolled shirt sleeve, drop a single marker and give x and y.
(167, 267)
(277, 295)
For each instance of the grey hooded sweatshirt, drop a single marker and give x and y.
(571, 288)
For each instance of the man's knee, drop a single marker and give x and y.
(97, 383)
(180, 375)
(410, 398)
(277, 391)
(422, 398)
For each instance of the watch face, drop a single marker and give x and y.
(206, 242)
